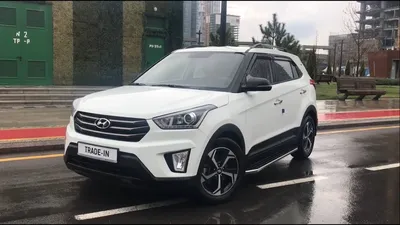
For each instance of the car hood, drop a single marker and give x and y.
(148, 101)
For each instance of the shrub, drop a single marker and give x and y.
(387, 81)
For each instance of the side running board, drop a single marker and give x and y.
(253, 171)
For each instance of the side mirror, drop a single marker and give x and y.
(255, 84)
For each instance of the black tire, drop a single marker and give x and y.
(219, 147)
(304, 151)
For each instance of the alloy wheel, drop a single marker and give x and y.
(220, 171)
(308, 134)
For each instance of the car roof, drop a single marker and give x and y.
(236, 49)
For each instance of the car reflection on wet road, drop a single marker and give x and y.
(351, 177)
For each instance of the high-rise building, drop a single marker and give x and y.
(211, 7)
(380, 20)
(194, 20)
(232, 22)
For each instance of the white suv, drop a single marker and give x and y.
(207, 115)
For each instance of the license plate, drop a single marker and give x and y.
(98, 152)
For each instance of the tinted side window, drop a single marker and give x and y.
(282, 71)
(296, 71)
(261, 68)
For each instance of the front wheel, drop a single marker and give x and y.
(220, 171)
(306, 138)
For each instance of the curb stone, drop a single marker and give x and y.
(58, 144)
(361, 123)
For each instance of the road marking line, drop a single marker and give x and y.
(111, 212)
(291, 182)
(383, 167)
(360, 129)
(31, 157)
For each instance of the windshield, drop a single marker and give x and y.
(203, 70)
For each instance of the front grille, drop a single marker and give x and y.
(121, 128)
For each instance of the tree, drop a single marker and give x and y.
(311, 65)
(275, 34)
(329, 70)
(347, 70)
(363, 43)
(291, 44)
(215, 38)
(362, 69)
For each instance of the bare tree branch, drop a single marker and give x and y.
(352, 26)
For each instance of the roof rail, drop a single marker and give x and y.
(266, 46)
(194, 46)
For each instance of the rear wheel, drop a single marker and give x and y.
(220, 171)
(306, 138)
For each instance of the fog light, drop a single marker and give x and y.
(180, 160)
(177, 161)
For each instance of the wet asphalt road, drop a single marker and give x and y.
(44, 191)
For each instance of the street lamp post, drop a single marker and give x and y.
(222, 34)
(341, 53)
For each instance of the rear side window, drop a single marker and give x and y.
(282, 71)
(296, 71)
(261, 68)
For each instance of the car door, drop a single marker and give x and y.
(263, 114)
(292, 89)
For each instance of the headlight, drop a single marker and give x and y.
(75, 104)
(188, 119)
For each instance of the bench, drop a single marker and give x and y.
(358, 86)
(323, 78)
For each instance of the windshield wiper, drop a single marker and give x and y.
(170, 85)
(138, 84)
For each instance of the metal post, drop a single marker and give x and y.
(223, 24)
(341, 53)
(334, 61)
(198, 33)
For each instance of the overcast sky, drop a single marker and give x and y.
(303, 19)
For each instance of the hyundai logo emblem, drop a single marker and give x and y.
(102, 123)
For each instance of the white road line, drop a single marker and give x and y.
(291, 182)
(111, 212)
(383, 167)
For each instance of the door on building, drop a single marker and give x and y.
(26, 43)
(154, 50)
(394, 72)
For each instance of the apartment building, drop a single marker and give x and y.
(380, 20)
(196, 21)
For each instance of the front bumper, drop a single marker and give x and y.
(137, 161)
(128, 169)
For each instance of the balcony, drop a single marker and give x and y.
(370, 21)
(371, 12)
(391, 8)
(391, 18)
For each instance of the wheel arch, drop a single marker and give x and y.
(312, 111)
(229, 131)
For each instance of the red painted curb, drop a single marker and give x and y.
(32, 133)
(27, 133)
(357, 115)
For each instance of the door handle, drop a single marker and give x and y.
(278, 102)
(303, 91)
